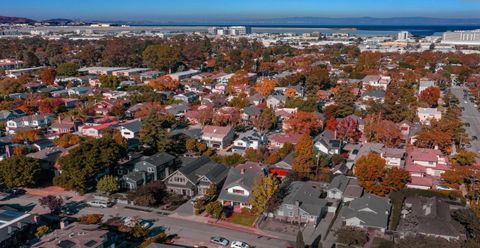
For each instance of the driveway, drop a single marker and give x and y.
(185, 209)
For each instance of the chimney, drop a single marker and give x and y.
(63, 224)
(242, 171)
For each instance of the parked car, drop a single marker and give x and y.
(146, 223)
(239, 244)
(474, 137)
(442, 187)
(219, 241)
(466, 124)
(99, 204)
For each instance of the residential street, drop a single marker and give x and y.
(190, 232)
(470, 115)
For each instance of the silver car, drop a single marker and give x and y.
(219, 241)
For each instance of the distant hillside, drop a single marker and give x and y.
(58, 21)
(15, 20)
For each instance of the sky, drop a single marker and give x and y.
(208, 10)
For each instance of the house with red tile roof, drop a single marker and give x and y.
(425, 167)
(279, 139)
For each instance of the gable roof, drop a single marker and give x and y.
(339, 182)
(238, 177)
(204, 167)
(133, 126)
(307, 196)
(158, 159)
(371, 210)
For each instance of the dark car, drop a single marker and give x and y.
(474, 138)
(466, 124)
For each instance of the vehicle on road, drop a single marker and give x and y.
(219, 241)
(146, 223)
(239, 244)
(71, 208)
(442, 187)
(466, 124)
(99, 204)
(474, 138)
(462, 108)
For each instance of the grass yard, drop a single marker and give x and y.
(243, 219)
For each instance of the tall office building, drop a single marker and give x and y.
(403, 36)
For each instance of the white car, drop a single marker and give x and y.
(239, 244)
(442, 187)
(219, 241)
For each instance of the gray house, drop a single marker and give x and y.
(303, 203)
(156, 166)
(337, 187)
(133, 180)
(237, 189)
(369, 211)
(196, 177)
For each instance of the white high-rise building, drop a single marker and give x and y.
(403, 36)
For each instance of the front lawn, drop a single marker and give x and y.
(243, 219)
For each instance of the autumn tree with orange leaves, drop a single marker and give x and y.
(290, 92)
(382, 131)
(48, 75)
(375, 178)
(304, 157)
(303, 122)
(265, 87)
(430, 96)
(164, 83)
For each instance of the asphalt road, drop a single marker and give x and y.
(194, 233)
(470, 115)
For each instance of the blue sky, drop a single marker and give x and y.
(204, 10)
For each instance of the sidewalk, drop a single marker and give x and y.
(224, 224)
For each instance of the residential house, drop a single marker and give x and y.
(425, 167)
(302, 204)
(178, 110)
(352, 191)
(130, 129)
(369, 211)
(62, 126)
(337, 187)
(157, 166)
(374, 95)
(48, 156)
(425, 115)
(377, 81)
(188, 97)
(79, 91)
(237, 189)
(249, 139)
(6, 115)
(31, 121)
(250, 113)
(195, 177)
(95, 130)
(276, 101)
(277, 140)
(217, 136)
(430, 216)
(183, 74)
(424, 84)
(282, 168)
(77, 235)
(14, 225)
(327, 143)
(134, 180)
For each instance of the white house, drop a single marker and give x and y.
(249, 139)
(31, 121)
(425, 115)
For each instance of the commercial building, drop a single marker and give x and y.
(471, 37)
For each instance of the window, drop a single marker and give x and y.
(179, 179)
(150, 169)
(238, 191)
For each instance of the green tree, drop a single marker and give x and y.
(68, 69)
(464, 158)
(215, 209)
(153, 133)
(84, 162)
(20, 171)
(107, 184)
(162, 57)
(109, 81)
(264, 188)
